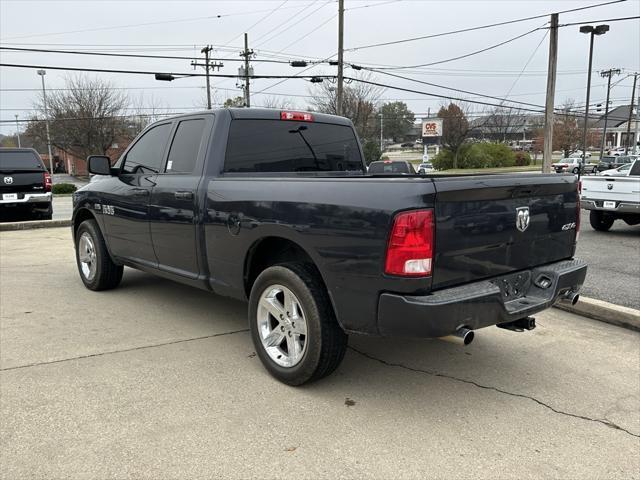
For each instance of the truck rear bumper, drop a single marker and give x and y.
(479, 304)
(621, 207)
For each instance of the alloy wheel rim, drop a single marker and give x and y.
(87, 256)
(282, 326)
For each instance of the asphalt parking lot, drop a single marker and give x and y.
(158, 380)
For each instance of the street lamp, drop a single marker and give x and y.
(599, 30)
(42, 73)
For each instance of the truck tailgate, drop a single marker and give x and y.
(492, 225)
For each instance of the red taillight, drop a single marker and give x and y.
(296, 116)
(47, 182)
(410, 248)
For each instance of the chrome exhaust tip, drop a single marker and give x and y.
(463, 336)
(571, 297)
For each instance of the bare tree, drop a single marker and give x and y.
(359, 104)
(503, 122)
(86, 118)
(278, 102)
(143, 112)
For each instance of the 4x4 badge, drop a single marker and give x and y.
(522, 218)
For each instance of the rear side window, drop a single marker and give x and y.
(185, 146)
(16, 160)
(286, 146)
(635, 170)
(146, 155)
(390, 167)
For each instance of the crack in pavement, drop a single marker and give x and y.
(495, 389)
(132, 349)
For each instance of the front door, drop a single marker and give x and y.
(173, 209)
(126, 208)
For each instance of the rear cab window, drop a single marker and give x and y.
(185, 146)
(291, 146)
(20, 160)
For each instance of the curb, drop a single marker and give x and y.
(11, 226)
(605, 312)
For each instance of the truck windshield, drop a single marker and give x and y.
(286, 146)
(19, 160)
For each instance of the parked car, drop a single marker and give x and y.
(425, 167)
(611, 198)
(391, 167)
(574, 165)
(614, 152)
(277, 208)
(578, 154)
(25, 185)
(609, 163)
(408, 145)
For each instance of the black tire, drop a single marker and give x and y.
(600, 221)
(595, 170)
(326, 342)
(107, 274)
(576, 170)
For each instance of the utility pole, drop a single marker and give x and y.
(42, 73)
(551, 93)
(247, 71)
(381, 127)
(207, 67)
(635, 130)
(628, 143)
(607, 73)
(339, 91)
(18, 127)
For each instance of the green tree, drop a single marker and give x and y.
(455, 129)
(398, 120)
(371, 151)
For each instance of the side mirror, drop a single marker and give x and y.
(99, 164)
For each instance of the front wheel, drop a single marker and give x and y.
(576, 170)
(600, 221)
(293, 326)
(97, 269)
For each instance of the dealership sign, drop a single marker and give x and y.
(432, 128)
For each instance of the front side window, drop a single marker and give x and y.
(185, 146)
(288, 146)
(146, 155)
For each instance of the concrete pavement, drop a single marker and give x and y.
(158, 380)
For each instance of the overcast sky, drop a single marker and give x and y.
(307, 29)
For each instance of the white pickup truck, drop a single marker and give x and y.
(611, 198)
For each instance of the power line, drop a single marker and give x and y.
(459, 57)
(309, 32)
(128, 55)
(258, 22)
(480, 27)
(271, 35)
(618, 19)
(140, 72)
(133, 25)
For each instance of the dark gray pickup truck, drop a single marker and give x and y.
(278, 208)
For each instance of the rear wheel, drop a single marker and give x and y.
(600, 221)
(97, 269)
(293, 326)
(576, 170)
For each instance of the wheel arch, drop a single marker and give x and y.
(272, 250)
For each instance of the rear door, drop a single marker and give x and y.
(173, 208)
(492, 225)
(126, 207)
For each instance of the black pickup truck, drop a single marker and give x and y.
(278, 208)
(25, 185)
